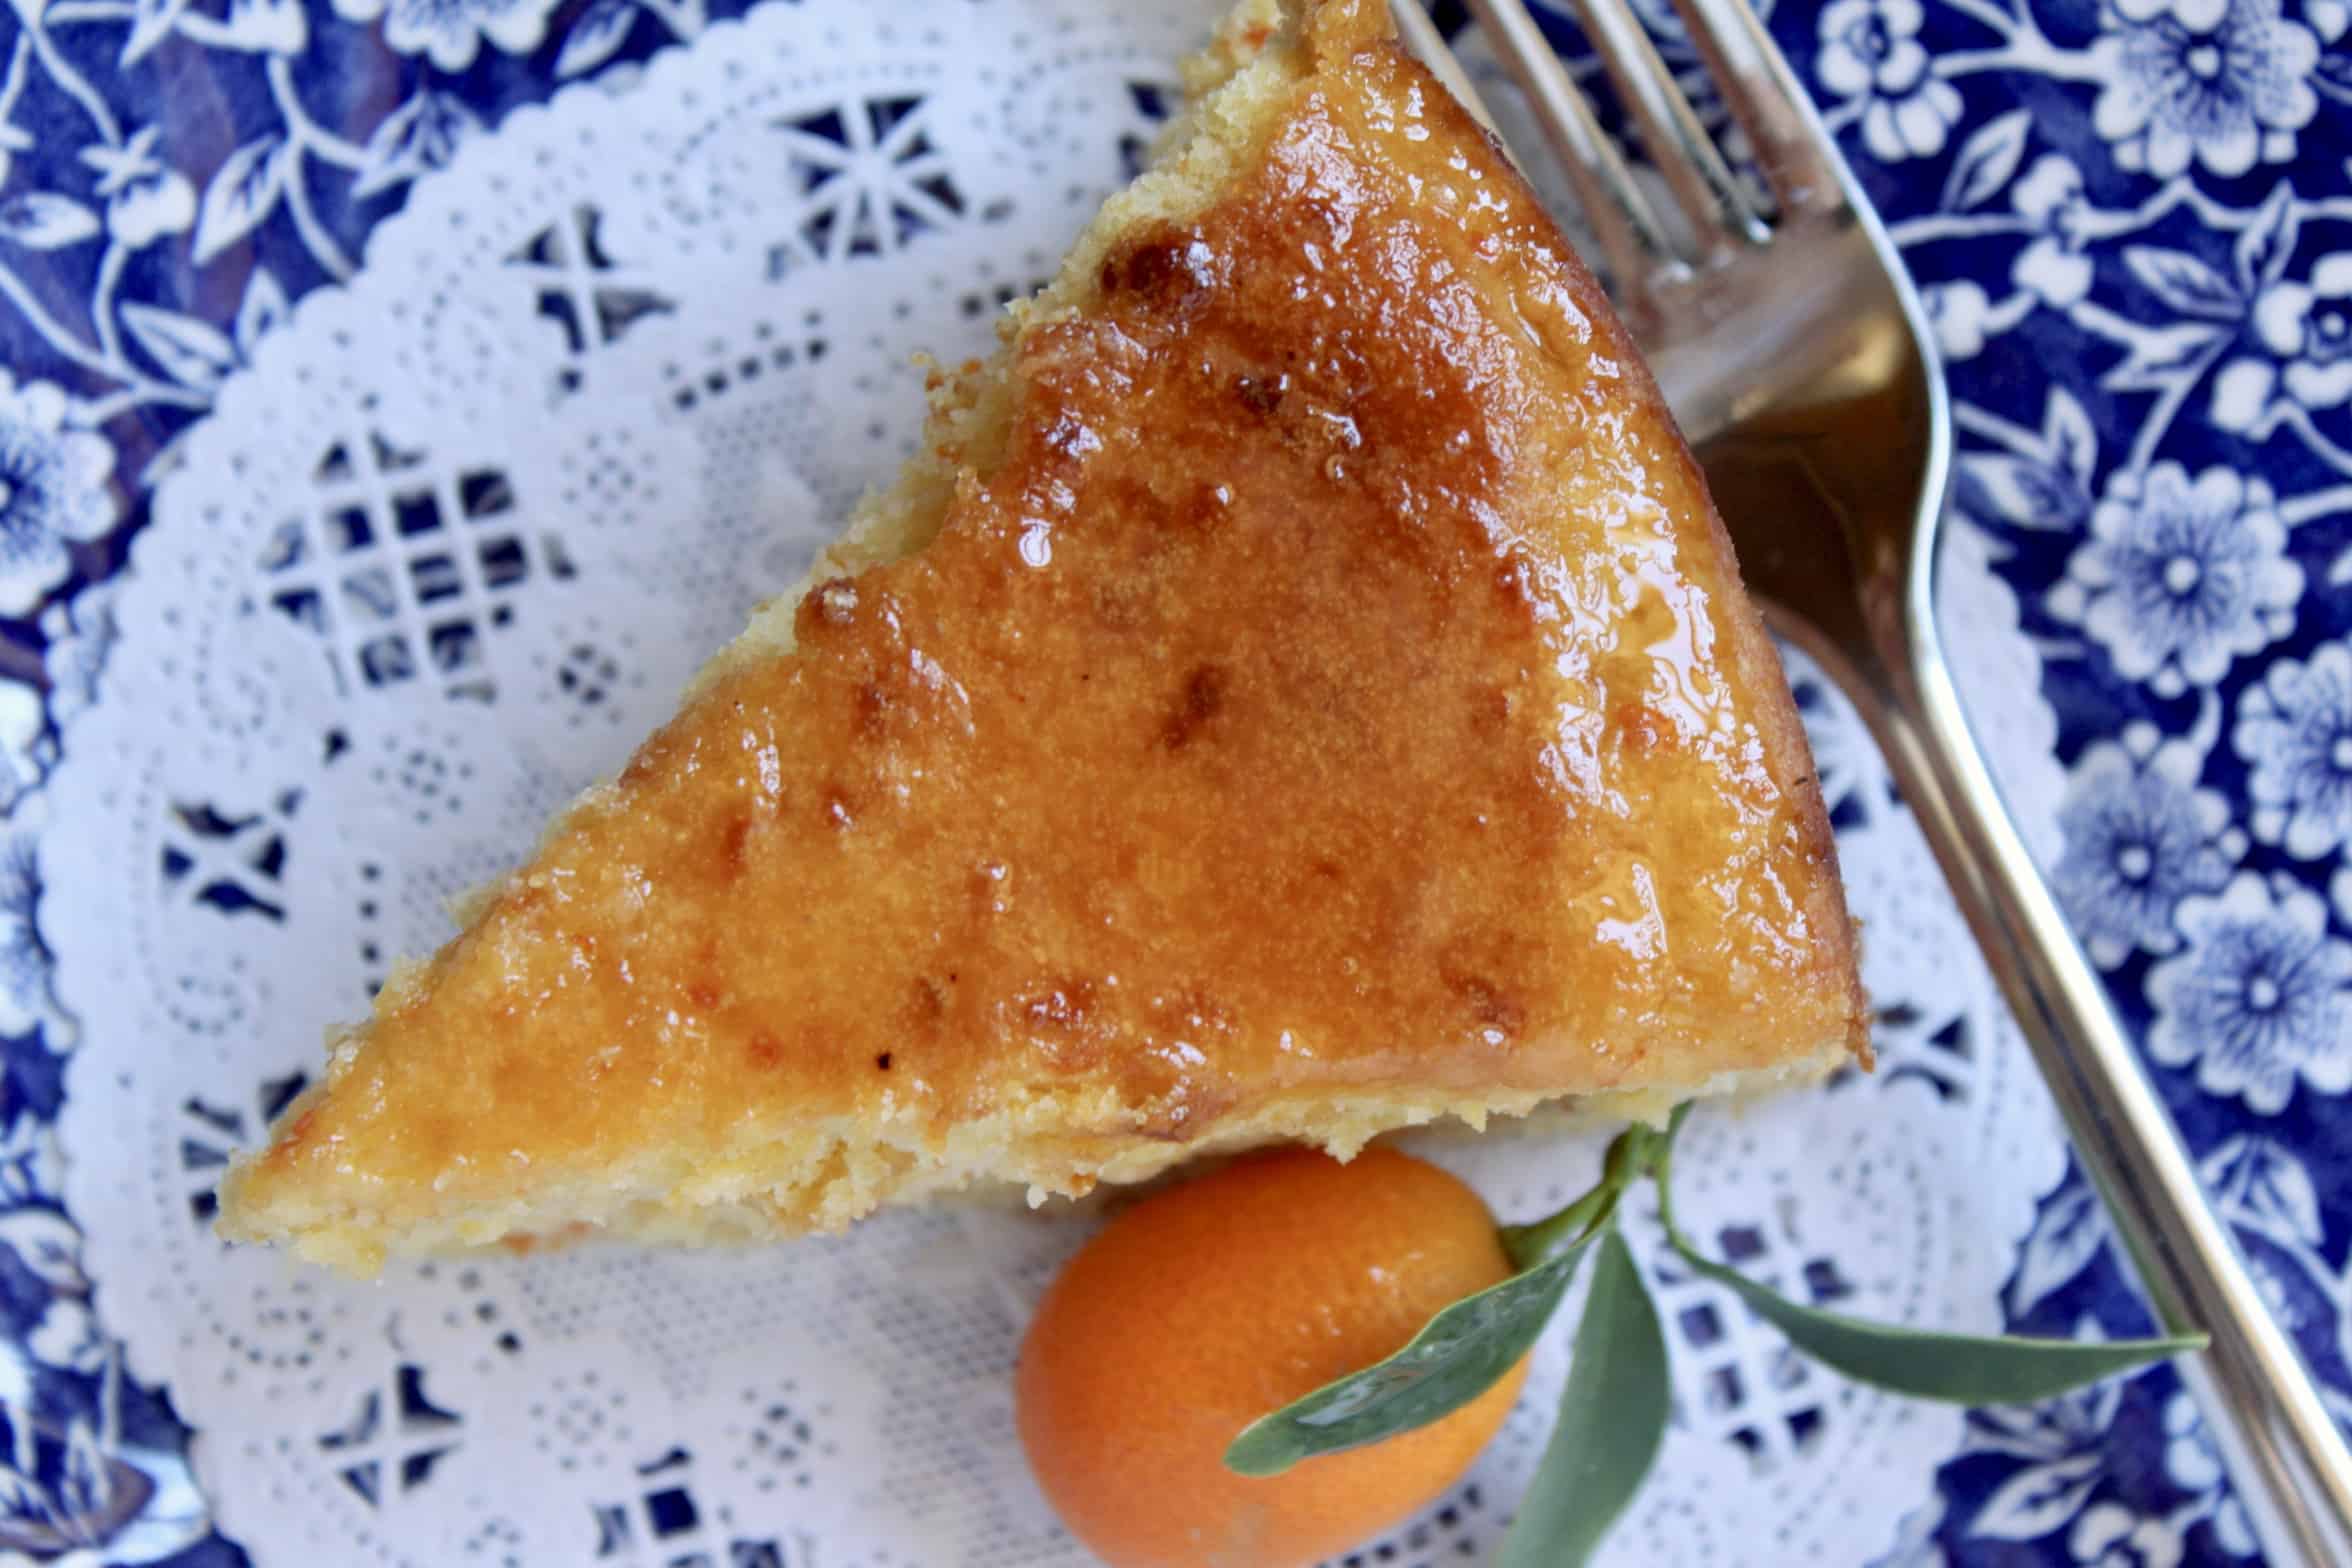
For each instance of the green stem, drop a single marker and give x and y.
(1633, 1154)
(1537, 1241)
(1662, 1178)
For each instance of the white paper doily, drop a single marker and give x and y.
(452, 546)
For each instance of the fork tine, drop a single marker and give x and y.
(1633, 241)
(1421, 36)
(1702, 183)
(1765, 98)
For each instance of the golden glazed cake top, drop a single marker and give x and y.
(1333, 681)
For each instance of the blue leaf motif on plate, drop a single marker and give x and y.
(46, 1245)
(421, 135)
(191, 351)
(2022, 490)
(44, 220)
(241, 193)
(2067, 1234)
(2042, 483)
(2070, 1424)
(261, 312)
(152, 22)
(2063, 1443)
(2263, 249)
(596, 36)
(2185, 283)
(2155, 357)
(2257, 1178)
(2038, 1499)
(1987, 159)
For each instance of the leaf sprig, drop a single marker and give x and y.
(1614, 1410)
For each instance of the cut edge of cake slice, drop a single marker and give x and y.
(832, 1170)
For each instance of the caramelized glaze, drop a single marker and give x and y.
(1341, 681)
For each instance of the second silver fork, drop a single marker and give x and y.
(1792, 350)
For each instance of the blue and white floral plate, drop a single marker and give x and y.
(2133, 224)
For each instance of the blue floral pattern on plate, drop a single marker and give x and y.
(2133, 224)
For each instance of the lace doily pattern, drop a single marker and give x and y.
(411, 559)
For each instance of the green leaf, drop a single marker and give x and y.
(1452, 1361)
(1612, 1418)
(1962, 1369)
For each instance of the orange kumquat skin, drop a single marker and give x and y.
(1211, 1303)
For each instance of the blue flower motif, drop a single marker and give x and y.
(2304, 327)
(1961, 312)
(25, 750)
(2296, 729)
(1871, 54)
(52, 491)
(2052, 264)
(2258, 999)
(451, 31)
(2194, 1465)
(2139, 839)
(2179, 578)
(25, 965)
(2226, 82)
(81, 637)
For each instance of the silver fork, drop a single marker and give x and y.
(1793, 352)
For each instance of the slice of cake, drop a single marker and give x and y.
(1300, 691)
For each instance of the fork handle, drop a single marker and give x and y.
(2283, 1449)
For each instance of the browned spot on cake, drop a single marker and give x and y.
(831, 604)
(1493, 1007)
(734, 845)
(1261, 395)
(1059, 1009)
(1490, 710)
(1202, 700)
(1168, 272)
(289, 1142)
